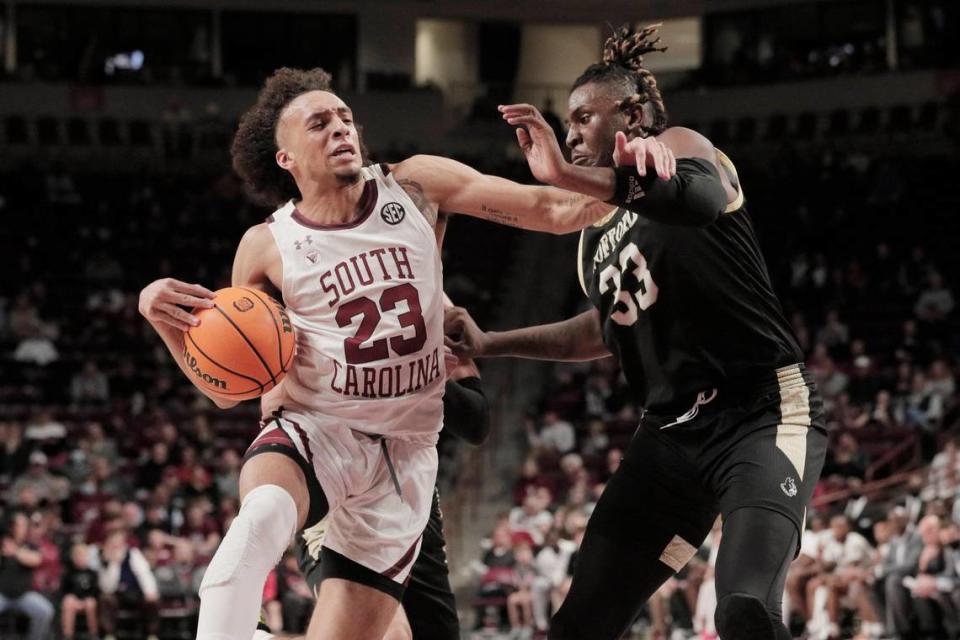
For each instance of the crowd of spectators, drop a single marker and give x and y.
(861, 265)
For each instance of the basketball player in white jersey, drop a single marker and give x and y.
(353, 256)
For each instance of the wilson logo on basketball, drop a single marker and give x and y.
(191, 363)
(243, 304)
(393, 213)
(284, 318)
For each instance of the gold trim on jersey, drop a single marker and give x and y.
(583, 282)
(605, 219)
(598, 225)
(729, 166)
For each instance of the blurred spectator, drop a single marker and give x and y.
(597, 440)
(942, 383)
(933, 613)
(846, 459)
(227, 480)
(830, 380)
(23, 319)
(46, 430)
(846, 556)
(295, 595)
(520, 601)
(201, 531)
(861, 512)
(100, 445)
(200, 486)
(106, 481)
(804, 568)
(834, 334)
(89, 386)
(552, 561)
(150, 473)
(935, 302)
(14, 452)
(18, 563)
(36, 348)
(80, 591)
(532, 516)
(45, 486)
(47, 575)
(126, 581)
(555, 434)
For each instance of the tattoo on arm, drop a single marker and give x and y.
(415, 190)
(496, 215)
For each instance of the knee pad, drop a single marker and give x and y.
(740, 616)
(257, 538)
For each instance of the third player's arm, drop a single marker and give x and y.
(453, 186)
(576, 339)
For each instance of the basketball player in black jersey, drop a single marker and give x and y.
(732, 423)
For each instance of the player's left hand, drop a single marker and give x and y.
(537, 140)
(643, 153)
(462, 334)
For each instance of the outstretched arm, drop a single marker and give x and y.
(685, 186)
(441, 183)
(576, 339)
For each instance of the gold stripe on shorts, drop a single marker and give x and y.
(794, 416)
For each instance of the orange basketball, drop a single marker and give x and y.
(243, 346)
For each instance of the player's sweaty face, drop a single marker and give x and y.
(318, 133)
(593, 119)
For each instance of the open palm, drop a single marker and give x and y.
(537, 140)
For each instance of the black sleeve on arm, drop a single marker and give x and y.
(694, 197)
(465, 410)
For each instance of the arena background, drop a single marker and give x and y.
(115, 121)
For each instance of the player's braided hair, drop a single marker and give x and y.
(623, 62)
(254, 146)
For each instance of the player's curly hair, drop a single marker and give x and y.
(623, 63)
(254, 147)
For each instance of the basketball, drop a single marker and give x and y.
(243, 346)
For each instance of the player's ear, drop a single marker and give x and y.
(284, 159)
(638, 115)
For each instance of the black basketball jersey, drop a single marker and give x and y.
(684, 309)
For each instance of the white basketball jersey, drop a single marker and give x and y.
(366, 300)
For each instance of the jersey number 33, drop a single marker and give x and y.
(631, 283)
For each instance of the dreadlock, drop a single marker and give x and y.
(623, 63)
(255, 146)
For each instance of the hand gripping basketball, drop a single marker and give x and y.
(243, 345)
(161, 302)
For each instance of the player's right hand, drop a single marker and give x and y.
(462, 334)
(161, 302)
(643, 153)
(537, 141)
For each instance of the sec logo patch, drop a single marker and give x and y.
(393, 213)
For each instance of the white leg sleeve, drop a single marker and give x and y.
(232, 587)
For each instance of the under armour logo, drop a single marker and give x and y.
(789, 487)
(299, 243)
